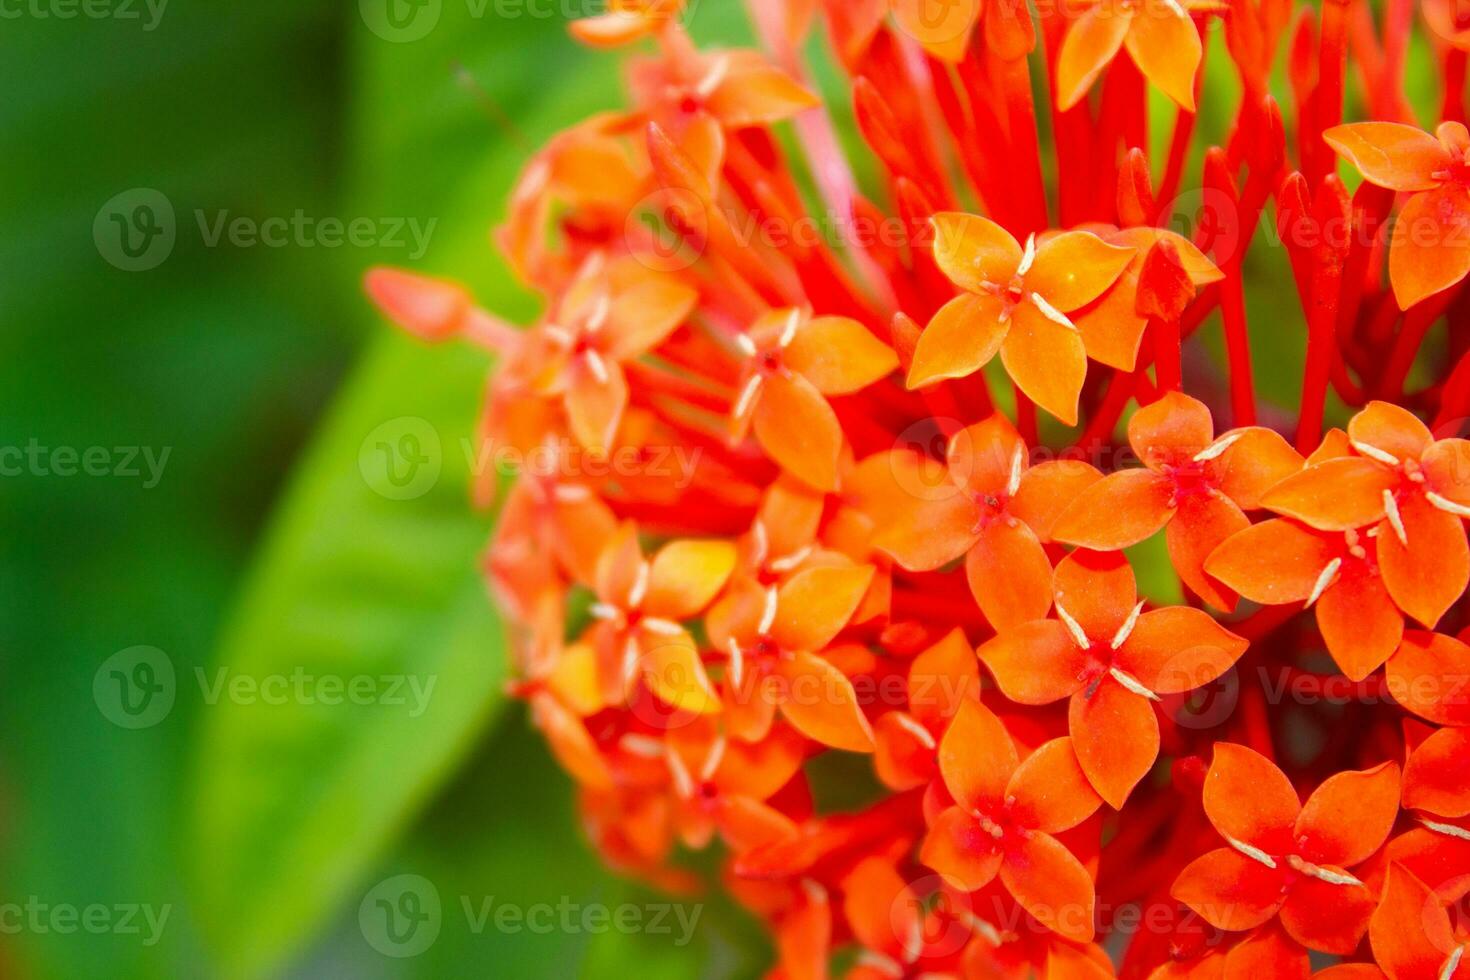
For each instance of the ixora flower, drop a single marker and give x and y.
(997, 488)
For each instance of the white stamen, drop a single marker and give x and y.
(713, 760)
(1446, 505)
(768, 614)
(1018, 459)
(1321, 873)
(1079, 636)
(1254, 853)
(1121, 637)
(604, 610)
(1391, 509)
(983, 929)
(571, 492)
(1175, 8)
(788, 562)
(918, 731)
(683, 782)
(814, 890)
(1132, 683)
(597, 365)
(1027, 257)
(1324, 580)
(1448, 829)
(639, 590)
(714, 77)
(1051, 312)
(1452, 964)
(1217, 448)
(747, 396)
(641, 745)
(737, 663)
(558, 335)
(913, 941)
(760, 541)
(880, 962)
(664, 627)
(788, 333)
(746, 345)
(630, 661)
(598, 317)
(1373, 452)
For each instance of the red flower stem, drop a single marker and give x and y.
(1025, 161)
(1237, 348)
(1168, 366)
(1100, 425)
(1417, 322)
(1327, 100)
(1174, 168)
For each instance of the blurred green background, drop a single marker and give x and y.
(262, 548)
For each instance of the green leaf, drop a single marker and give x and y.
(363, 661)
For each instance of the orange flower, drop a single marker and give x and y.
(1004, 818)
(1437, 775)
(1160, 36)
(723, 784)
(1416, 489)
(1288, 858)
(1016, 302)
(985, 502)
(1265, 952)
(1430, 248)
(792, 360)
(1111, 327)
(1111, 659)
(625, 21)
(640, 605)
(775, 638)
(1412, 935)
(940, 680)
(1196, 485)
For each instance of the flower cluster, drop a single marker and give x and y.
(957, 502)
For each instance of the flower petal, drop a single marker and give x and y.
(1437, 777)
(686, 575)
(943, 29)
(942, 678)
(1178, 649)
(1256, 461)
(673, 672)
(1097, 589)
(879, 907)
(1392, 155)
(973, 251)
(1410, 930)
(644, 314)
(1009, 575)
(1326, 917)
(1091, 43)
(1035, 663)
(1118, 511)
(796, 426)
(901, 759)
(1429, 675)
(1267, 952)
(1274, 562)
(1050, 883)
(839, 355)
(961, 339)
(1334, 495)
(1447, 469)
(1426, 577)
(815, 604)
(980, 457)
(1202, 523)
(1229, 890)
(976, 757)
(1046, 360)
(1359, 622)
(958, 849)
(1048, 489)
(1171, 430)
(1051, 791)
(924, 520)
(1165, 45)
(757, 95)
(1429, 246)
(595, 403)
(1249, 799)
(1392, 429)
(1116, 735)
(1074, 268)
(1349, 816)
(821, 703)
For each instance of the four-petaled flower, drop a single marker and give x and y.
(1111, 659)
(1286, 857)
(1193, 483)
(1016, 302)
(1430, 248)
(1160, 36)
(1005, 814)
